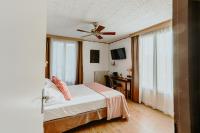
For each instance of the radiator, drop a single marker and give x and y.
(99, 77)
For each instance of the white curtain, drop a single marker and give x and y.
(63, 62)
(156, 70)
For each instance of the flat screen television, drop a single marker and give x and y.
(118, 54)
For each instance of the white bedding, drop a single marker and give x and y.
(83, 99)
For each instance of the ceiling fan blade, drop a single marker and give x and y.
(100, 28)
(83, 31)
(87, 35)
(99, 37)
(108, 33)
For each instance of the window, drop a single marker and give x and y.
(156, 70)
(64, 60)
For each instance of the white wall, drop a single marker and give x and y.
(105, 59)
(89, 68)
(121, 66)
(22, 50)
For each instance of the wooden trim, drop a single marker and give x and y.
(181, 67)
(63, 37)
(153, 28)
(147, 30)
(72, 38)
(96, 41)
(120, 39)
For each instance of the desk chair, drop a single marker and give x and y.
(111, 84)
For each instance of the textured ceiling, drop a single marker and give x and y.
(122, 16)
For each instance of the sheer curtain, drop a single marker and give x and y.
(63, 63)
(156, 70)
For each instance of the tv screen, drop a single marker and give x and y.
(118, 54)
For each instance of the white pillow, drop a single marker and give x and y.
(54, 96)
(49, 83)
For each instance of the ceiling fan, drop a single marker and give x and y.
(97, 31)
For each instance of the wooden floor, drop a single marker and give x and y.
(143, 120)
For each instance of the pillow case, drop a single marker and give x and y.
(62, 87)
(49, 83)
(54, 96)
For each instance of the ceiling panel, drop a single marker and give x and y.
(122, 16)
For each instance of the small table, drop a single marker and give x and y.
(126, 81)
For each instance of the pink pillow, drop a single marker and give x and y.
(62, 87)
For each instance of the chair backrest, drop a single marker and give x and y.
(109, 81)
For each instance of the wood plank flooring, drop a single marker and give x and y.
(143, 120)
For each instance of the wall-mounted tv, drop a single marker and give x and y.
(118, 54)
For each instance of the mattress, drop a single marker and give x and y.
(83, 100)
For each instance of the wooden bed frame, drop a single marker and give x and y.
(64, 124)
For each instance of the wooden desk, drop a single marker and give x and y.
(126, 81)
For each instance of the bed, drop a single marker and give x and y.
(90, 102)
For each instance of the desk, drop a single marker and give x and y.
(126, 81)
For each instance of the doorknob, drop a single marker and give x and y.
(44, 98)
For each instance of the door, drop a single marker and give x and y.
(186, 26)
(22, 62)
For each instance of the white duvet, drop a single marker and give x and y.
(83, 99)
